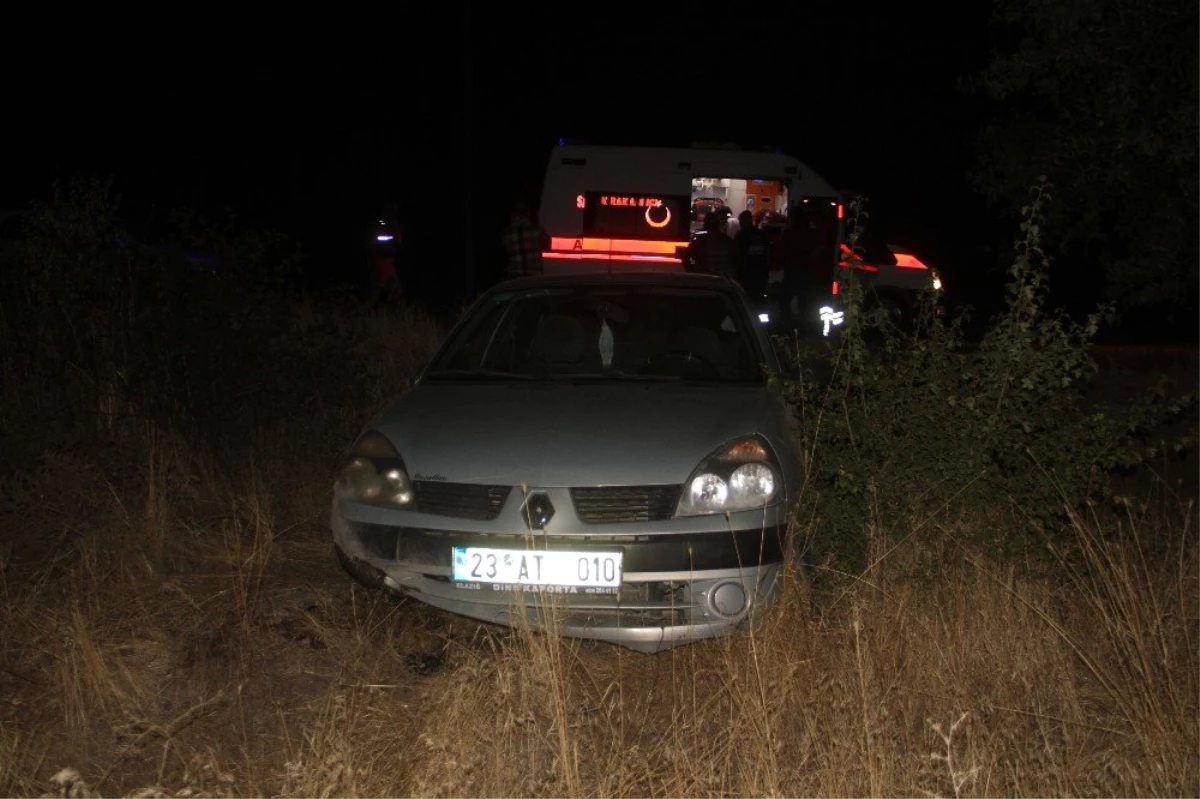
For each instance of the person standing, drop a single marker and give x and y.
(752, 246)
(384, 247)
(714, 253)
(799, 255)
(523, 242)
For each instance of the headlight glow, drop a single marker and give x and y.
(742, 475)
(375, 474)
(708, 491)
(752, 482)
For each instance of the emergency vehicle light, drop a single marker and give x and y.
(853, 260)
(649, 246)
(859, 266)
(604, 256)
(908, 261)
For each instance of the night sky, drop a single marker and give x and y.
(453, 114)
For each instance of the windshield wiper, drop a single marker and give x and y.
(615, 375)
(494, 373)
(500, 374)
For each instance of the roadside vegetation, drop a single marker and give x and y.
(994, 590)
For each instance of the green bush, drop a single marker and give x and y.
(905, 425)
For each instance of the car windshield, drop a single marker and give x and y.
(604, 333)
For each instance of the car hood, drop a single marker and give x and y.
(571, 434)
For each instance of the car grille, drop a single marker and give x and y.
(626, 617)
(617, 504)
(417, 548)
(460, 500)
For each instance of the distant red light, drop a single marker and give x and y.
(907, 261)
(601, 245)
(604, 256)
(853, 260)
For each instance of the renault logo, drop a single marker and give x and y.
(537, 511)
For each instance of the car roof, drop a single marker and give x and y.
(618, 278)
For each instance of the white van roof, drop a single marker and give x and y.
(617, 168)
(618, 176)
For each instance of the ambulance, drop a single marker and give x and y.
(631, 208)
(621, 208)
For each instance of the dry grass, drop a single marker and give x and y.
(174, 625)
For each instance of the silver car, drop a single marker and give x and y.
(602, 454)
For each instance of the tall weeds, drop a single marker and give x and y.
(174, 623)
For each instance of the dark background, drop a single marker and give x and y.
(452, 114)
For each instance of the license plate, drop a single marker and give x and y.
(518, 567)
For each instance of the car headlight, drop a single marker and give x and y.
(374, 474)
(742, 475)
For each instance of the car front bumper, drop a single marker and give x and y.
(678, 585)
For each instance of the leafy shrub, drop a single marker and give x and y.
(906, 424)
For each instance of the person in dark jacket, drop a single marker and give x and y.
(383, 268)
(806, 273)
(523, 242)
(752, 246)
(714, 252)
